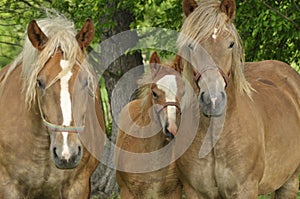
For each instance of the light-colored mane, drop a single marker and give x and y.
(201, 24)
(61, 36)
(144, 89)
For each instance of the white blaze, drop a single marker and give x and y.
(65, 104)
(214, 35)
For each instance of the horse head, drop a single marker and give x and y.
(166, 92)
(211, 46)
(62, 86)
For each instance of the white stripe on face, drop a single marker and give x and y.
(65, 104)
(214, 35)
(168, 84)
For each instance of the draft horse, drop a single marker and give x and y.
(146, 125)
(255, 106)
(48, 99)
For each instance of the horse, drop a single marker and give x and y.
(248, 138)
(147, 124)
(48, 103)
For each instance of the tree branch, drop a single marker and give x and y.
(280, 14)
(9, 43)
(296, 6)
(8, 25)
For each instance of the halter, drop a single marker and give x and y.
(201, 72)
(165, 105)
(54, 127)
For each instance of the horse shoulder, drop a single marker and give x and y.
(129, 116)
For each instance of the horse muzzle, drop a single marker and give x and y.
(66, 149)
(66, 159)
(213, 104)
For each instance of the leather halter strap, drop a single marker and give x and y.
(201, 72)
(165, 105)
(58, 128)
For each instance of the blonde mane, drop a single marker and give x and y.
(201, 24)
(61, 36)
(144, 89)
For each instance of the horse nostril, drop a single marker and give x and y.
(202, 96)
(79, 150)
(168, 134)
(223, 95)
(54, 152)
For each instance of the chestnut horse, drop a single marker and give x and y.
(147, 124)
(48, 100)
(248, 139)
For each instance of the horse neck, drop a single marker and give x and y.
(231, 93)
(147, 116)
(22, 119)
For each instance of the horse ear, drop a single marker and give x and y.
(154, 62)
(228, 7)
(189, 6)
(86, 34)
(178, 66)
(36, 35)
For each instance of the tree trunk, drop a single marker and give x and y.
(114, 63)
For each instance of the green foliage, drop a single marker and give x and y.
(15, 15)
(270, 29)
(164, 14)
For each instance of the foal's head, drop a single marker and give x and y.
(210, 43)
(165, 92)
(63, 84)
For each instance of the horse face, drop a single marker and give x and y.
(166, 91)
(62, 88)
(211, 58)
(211, 74)
(59, 105)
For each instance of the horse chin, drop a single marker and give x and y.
(208, 112)
(63, 164)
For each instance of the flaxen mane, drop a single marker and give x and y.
(201, 24)
(61, 36)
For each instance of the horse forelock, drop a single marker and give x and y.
(61, 34)
(201, 24)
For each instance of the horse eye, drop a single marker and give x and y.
(231, 44)
(191, 47)
(154, 94)
(86, 83)
(40, 83)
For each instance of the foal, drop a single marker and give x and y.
(153, 121)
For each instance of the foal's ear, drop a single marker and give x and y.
(189, 6)
(228, 7)
(154, 62)
(36, 36)
(86, 34)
